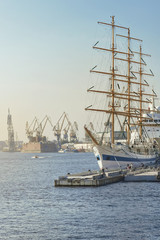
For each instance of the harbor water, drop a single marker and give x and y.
(32, 208)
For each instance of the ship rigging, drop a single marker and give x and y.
(127, 95)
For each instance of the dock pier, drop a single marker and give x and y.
(101, 178)
(144, 175)
(89, 179)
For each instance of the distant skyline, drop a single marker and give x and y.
(46, 49)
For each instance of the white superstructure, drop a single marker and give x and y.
(151, 128)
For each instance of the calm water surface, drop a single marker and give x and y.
(32, 208)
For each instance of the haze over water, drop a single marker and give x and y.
(32, 208)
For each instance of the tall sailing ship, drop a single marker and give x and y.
(125, 96)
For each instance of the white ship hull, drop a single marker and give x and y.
(111, 158)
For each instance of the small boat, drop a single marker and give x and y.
(61, 151)
(36, 156)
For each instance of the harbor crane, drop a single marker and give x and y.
(59, 126)
(65, 131)
(32, 129)
(35, 130)
(73, 132)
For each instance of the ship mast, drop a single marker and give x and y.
(113, 72)
(129, 81)
(129, 96)
(140, 92)
(128, 130)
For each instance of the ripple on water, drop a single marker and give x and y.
(32, 208)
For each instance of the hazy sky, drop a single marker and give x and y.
(45, 54)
